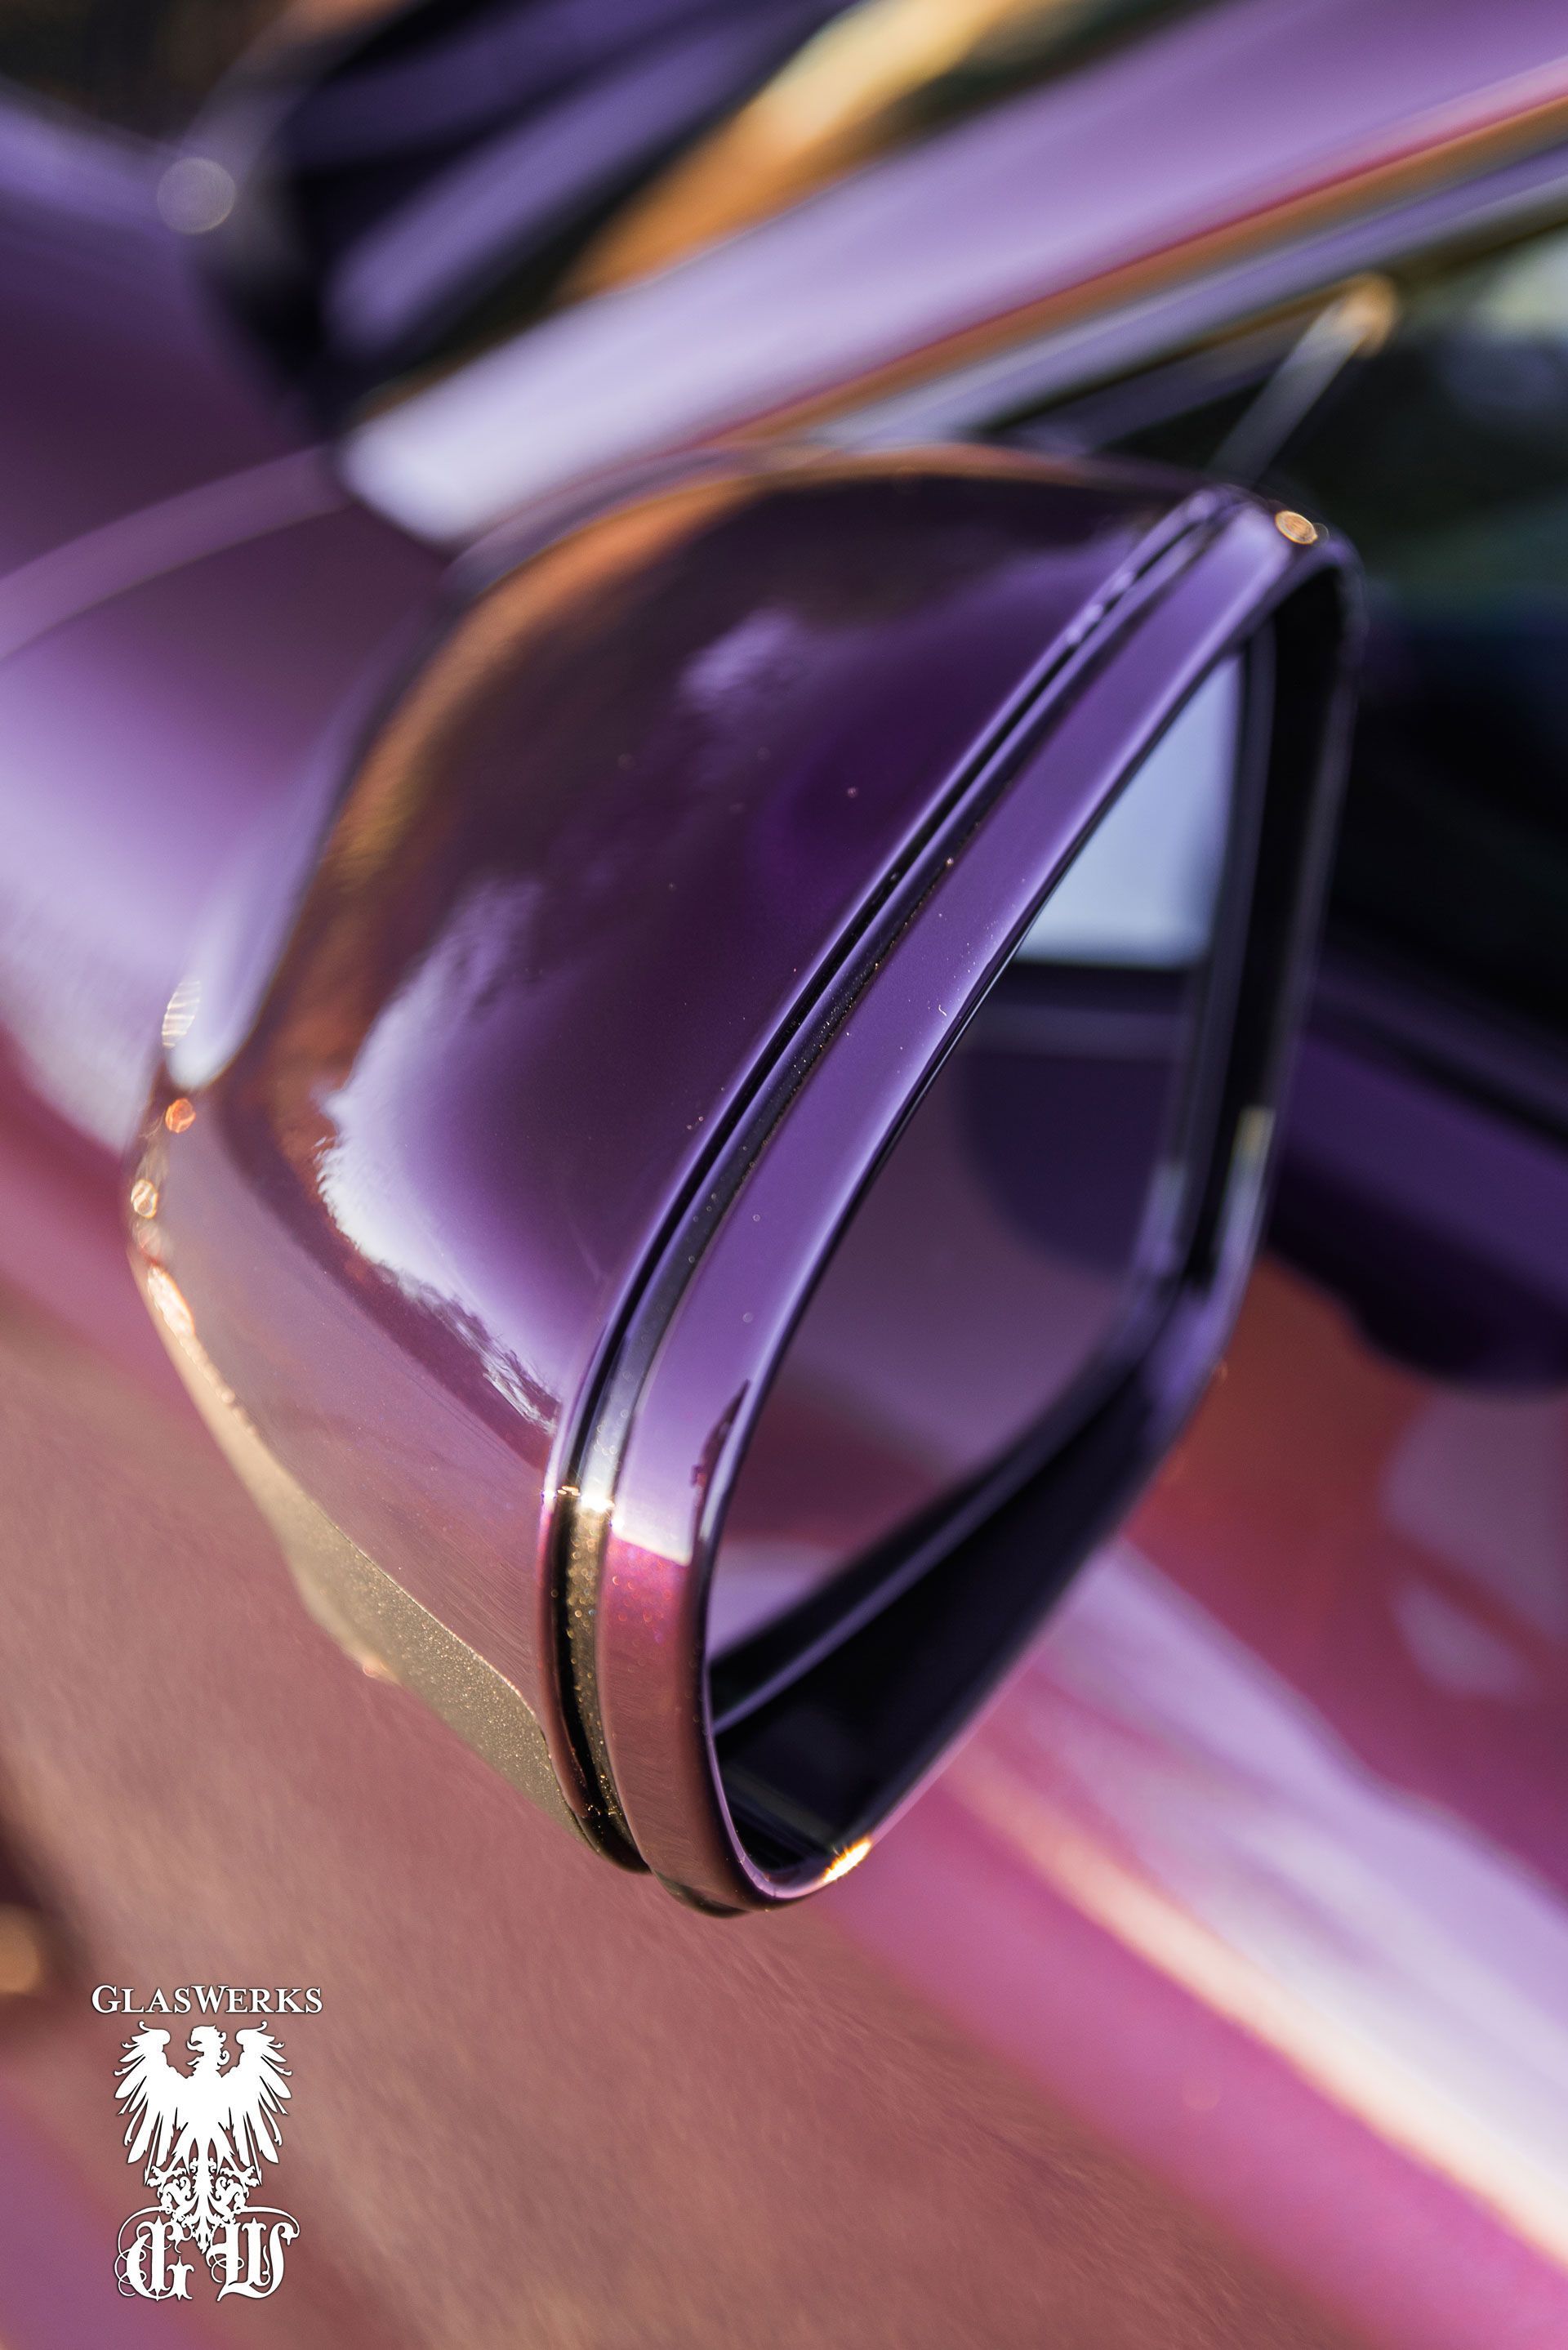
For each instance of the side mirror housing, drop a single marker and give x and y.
(670, 1234)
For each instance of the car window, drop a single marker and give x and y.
(1443, 457)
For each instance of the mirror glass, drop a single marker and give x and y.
(999, 1250)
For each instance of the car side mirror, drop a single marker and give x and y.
(742, 1151)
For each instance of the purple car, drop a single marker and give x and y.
(786, 851)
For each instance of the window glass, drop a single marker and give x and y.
(1443, 457)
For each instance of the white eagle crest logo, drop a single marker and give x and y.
(205, 2135)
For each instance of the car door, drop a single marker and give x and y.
(1211, 1995)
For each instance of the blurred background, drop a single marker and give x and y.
(146, 65)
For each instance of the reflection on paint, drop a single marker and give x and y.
(1191, 1801)
(850, 1857)
(168, 1303)
(379, 1176)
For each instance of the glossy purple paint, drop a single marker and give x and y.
(158, 760)
(699, 1374)
(120, 394)
(1268, 1816)
(1224, 113)
(579, 930)
(586, 873)
(1288, 1522)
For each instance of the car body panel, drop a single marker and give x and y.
(1165, 1939)
(540, 2097)
(1226, 132)
(118, 386)
(1143, 2027)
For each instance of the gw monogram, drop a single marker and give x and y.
(204, 2134)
